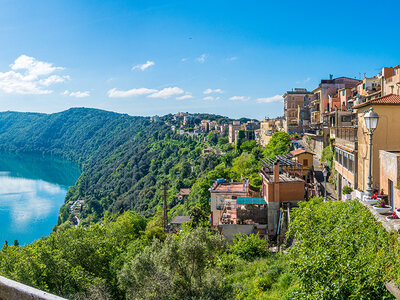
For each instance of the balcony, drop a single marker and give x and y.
(346, 136)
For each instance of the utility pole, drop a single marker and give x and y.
(165, 219)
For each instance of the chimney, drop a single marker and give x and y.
(330, 76)
(276, 171)
(244, 185)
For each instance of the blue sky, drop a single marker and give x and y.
(154, 57)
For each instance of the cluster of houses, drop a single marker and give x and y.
(334, 114)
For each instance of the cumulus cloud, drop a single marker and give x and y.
(144, 66)
(210, 91)
(114, 93)
(77, 94)
(186, 96)
(28, 76)
(239, 98)
(167, 93)
(276, 98)
(80, 94)
(211, 98)
(202, 58)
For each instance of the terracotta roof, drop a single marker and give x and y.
(184, 192)
(180, 219)
(388, 99)
(230, 187)
(300, 151)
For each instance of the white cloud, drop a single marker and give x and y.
(114, 93)
(27, 76)
(80, 94)
(232, 58)
(210, 98)
(303, 81)
(53, 79)
(276, 98)
(239, 98)
(210, 91)
(186, 96)
(202, 58)
(144, 66)
(167, 93)
(183, 59)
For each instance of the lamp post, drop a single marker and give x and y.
(325, 173)
(371, 122)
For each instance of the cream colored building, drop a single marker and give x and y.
(385, 137)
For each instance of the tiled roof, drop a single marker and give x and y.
(180, 219)
(388, 99)
(300, 151)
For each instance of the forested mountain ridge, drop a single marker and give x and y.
(122, 157)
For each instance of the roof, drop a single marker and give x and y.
(180, 219)
(184, 192)
(300, 151)
(230, 187)
(388, 100)
(249, 200)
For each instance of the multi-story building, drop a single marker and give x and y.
(295, 104)
(267, 129)
(233, 131)
(385, 137)
(391, 80)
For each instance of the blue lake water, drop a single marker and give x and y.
(32, 190)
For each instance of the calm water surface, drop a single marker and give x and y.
(32, 189)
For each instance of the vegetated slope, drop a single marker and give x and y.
(122, 157)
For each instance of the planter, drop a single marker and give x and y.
(398, 212)
(390, 218)
(370, 201)
(383, 210)
(347, 196)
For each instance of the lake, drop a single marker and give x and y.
(32, 190)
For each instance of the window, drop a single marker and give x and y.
(351, 163)
(305, 162)
(345, 159)
(336, 154)
(343, 92)
(341, 157)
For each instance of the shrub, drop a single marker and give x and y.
(346, 190)
(249, 247)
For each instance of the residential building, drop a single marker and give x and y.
(267, 129)
(295, 103)
(304, 158)
(385, 137)
(389, 176)
(280, 187)
(233, 131)
(391, 80)
(222, 195)
(249, 129)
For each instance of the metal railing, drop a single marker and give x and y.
(346, 133)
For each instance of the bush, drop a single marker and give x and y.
(327, 156)
(346, 190)
(249, 247)
(341, 252)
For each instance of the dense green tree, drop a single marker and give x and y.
(279, 144)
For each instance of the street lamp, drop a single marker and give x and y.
(325, 173)
(371, 122)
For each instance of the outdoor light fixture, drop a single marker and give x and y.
(371, 122)
(325, 173)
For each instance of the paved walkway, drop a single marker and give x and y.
(330, 188)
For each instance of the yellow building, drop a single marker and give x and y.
(385, 137)
(267, 129)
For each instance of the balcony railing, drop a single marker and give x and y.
(346, 133)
